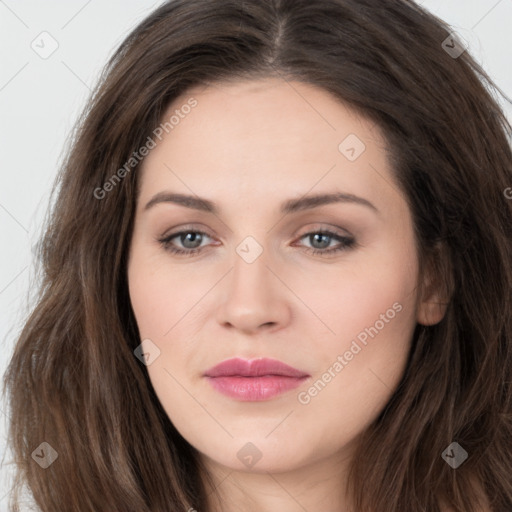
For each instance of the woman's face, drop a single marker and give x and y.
(237, 175)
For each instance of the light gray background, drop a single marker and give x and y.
(40, 99)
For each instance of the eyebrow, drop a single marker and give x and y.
(289, 206)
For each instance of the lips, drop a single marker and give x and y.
(254, 380)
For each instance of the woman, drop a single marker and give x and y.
(277, 273)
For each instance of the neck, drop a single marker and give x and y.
(319, 485)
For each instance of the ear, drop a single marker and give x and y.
(436, 288)
(431, 311)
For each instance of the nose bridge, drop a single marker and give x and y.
(250, 276)
(252, 296)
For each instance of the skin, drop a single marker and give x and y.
(249, 146)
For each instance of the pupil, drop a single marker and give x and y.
(191, 237)
(326, 237)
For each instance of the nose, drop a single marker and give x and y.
(253, 298)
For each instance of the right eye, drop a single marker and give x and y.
(185, 239)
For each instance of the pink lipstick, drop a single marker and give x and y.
(254, 380)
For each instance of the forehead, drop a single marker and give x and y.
(295, 111)
(266, 138)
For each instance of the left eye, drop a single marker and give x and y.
(191, 241)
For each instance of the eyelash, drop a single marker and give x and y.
(346, 243)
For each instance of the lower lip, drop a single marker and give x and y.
(254, 389)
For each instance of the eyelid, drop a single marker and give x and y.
(347, 242)
(325, 227)
(188, 227)
(304, 231)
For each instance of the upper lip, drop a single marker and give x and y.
(253, 368)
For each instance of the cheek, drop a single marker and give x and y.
(366, 309)
(151, 305)
(371, 315)
(160, 296)
(359, 367)
(373, 296)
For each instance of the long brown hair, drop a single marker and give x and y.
(74, 381)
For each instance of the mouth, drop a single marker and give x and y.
(254, 380)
